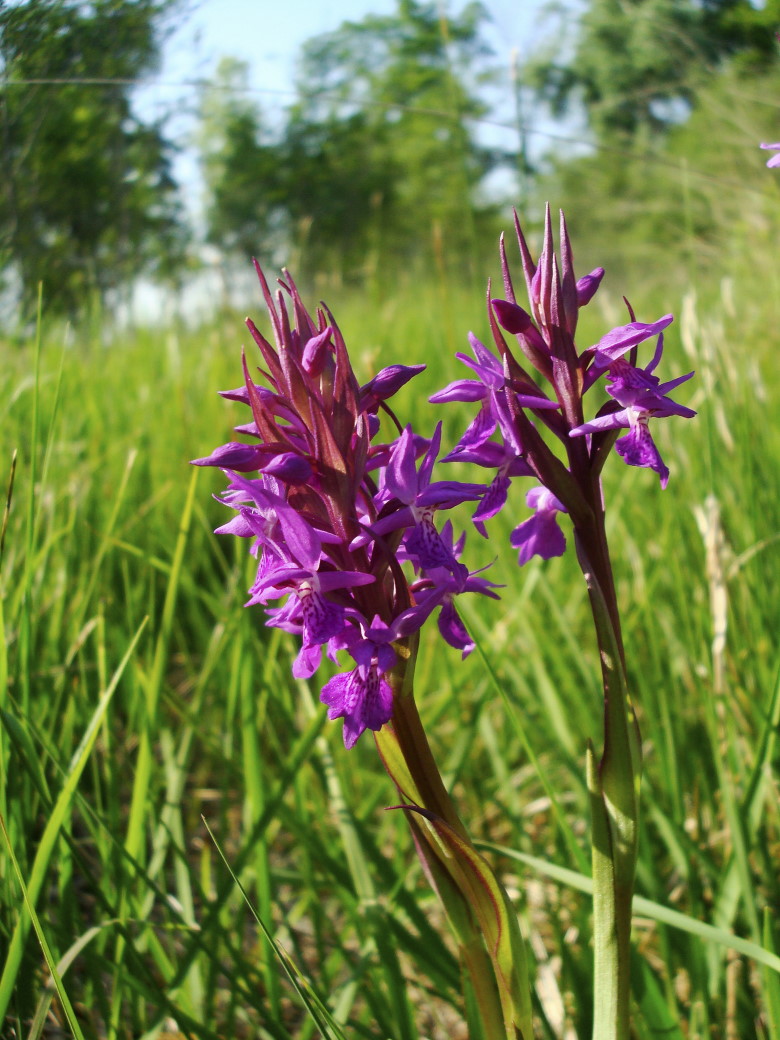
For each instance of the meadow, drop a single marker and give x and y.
(194, 853)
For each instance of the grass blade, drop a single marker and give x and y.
(54, 825)
(67, 1007)
(311, 1000)
(646, 907)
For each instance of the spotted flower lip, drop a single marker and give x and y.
(641, 396)
(439, 589)
(638, 448)
(362, 696)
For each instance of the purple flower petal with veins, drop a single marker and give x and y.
(453, 630)
(495, 497)
(423, 541)
(540, 534)
(401, 474)
(636, 388)
(638, 448)
(620, 340)
(418, 499)
(642, 396)
(438, 589)
(363, 698)
(476, 436)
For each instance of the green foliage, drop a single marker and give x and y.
(197, 714)
(403, 87)
(241, 169)
(87, 200)
(637, 65)
(378, 148)
(701, 195)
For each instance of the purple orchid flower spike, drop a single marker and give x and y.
(333, 518)
(505, 433)
(344, 530)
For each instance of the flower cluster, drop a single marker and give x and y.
(343, 523)
(333, 513)
(506, 434)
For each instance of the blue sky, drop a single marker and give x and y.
(268, 35)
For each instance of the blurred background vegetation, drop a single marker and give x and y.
(136, 696)
(650, 110)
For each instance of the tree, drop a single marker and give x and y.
(636, 65)
(377, 157)
(380, 144)
(87, 201)
(245, 213)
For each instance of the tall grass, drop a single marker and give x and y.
(139, 700)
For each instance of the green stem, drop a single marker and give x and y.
(480, 913)
(428, 789)
(614, 794)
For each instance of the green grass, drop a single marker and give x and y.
(152, 737)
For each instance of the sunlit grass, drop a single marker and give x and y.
(148, 928)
